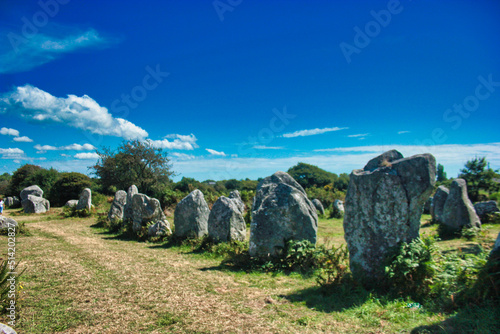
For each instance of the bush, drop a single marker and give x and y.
(68, 186)
(72, 211)
(334, 267)
(491, 218)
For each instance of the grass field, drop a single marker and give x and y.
(80, 279)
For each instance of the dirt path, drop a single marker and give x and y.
(78, 280)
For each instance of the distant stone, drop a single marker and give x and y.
(225, 222)
(35, 204)
(118, 206)
(383, 160)
(437, 205)
(85, 201)
(145, 210)
(128, 213)
(236, 197)
(31, 190)
(12, 202)
(496, 247)
(4, 329)
(338, 205)
(319, 206)
(383, 207)
(484, 208)
(191, 216)
(159, 229)
(6, 222)
(71, 203)
(458, 211)
(281, 212)
(427, 206)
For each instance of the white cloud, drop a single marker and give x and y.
(87, 156)
(9, 132)
(182, 156)
(360, 135)
(180, 142)
(311, 132)
(72, 147)
(23, 139)
(401, 132)
(214, 152)
(264, 147)
(28, 53)
(11, 153)
(83, 112)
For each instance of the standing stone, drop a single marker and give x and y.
(319, 206)
(31, 190)
(236, 197)
(159, 229)
(7, 222)
(383, 207)
(145, 210)
(12, 202)
(225, 222)
(427, 206)
(128, 213)
(191, 216)
(338, 205)
(484, 208)
(71, 203)
(35, 204)
(383, 160)
(437, 205)
(85, 201)
(281, 212)
(118, 206)
(458, 210)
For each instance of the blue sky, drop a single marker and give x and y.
(237, 88)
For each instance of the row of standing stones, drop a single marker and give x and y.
(383, 207)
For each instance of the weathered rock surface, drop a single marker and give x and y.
(12, 202)
(6, 222)
(427, 206)
(85, 200)
(319, 206)
(496, 247)
(383, 160)
(236, 197)
(128, 213)
(159, 229)
(437, 205)
(225, 222)
(191, 216)
(118, 206)
(484, 208)
(4, 329)
(383, 207)
(458, 210)
(338, 205)
(35, 204)
(31, 190)
(281, 211)
(145, 210)
(71, 203)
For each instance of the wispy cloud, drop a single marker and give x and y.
(23, 139)
(9, 132)
(23, 54)
(360, 136)
(182, 156)
(311, 132)
(11, 153)
(264, 147)
(87, 156)
(179, 142)
(83, 112)
(402, 132)
(72, 147)
(214, 152)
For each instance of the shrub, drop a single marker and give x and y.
(491, 218)
(334, 266)
(68, 186)
(72, 211)
(470, 233)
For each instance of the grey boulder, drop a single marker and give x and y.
(281, 212)
(12, 202)
(383, 160)
(437, 205)
(319, 206)
(144, 211)
(236, 197)
(31, 190)
(118, 206)
(339, 205)
(128, 213)
(383, 207)
(484, 208)
(35, 204)
(159, 229)
(71, 203)
(225, 222)
(458, 211)
(85, 200)
(191, 216)
(7, 222)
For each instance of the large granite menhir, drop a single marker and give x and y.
(383, 206)
(458, 211)
(225, 222)
(191, 216)
(281, 212)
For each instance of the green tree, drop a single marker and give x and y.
(441, 174)
(4, 183)
(68, 186)
(44, 178)
(479, 176)
(311, 176)
(20, 179)
(135, 162)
